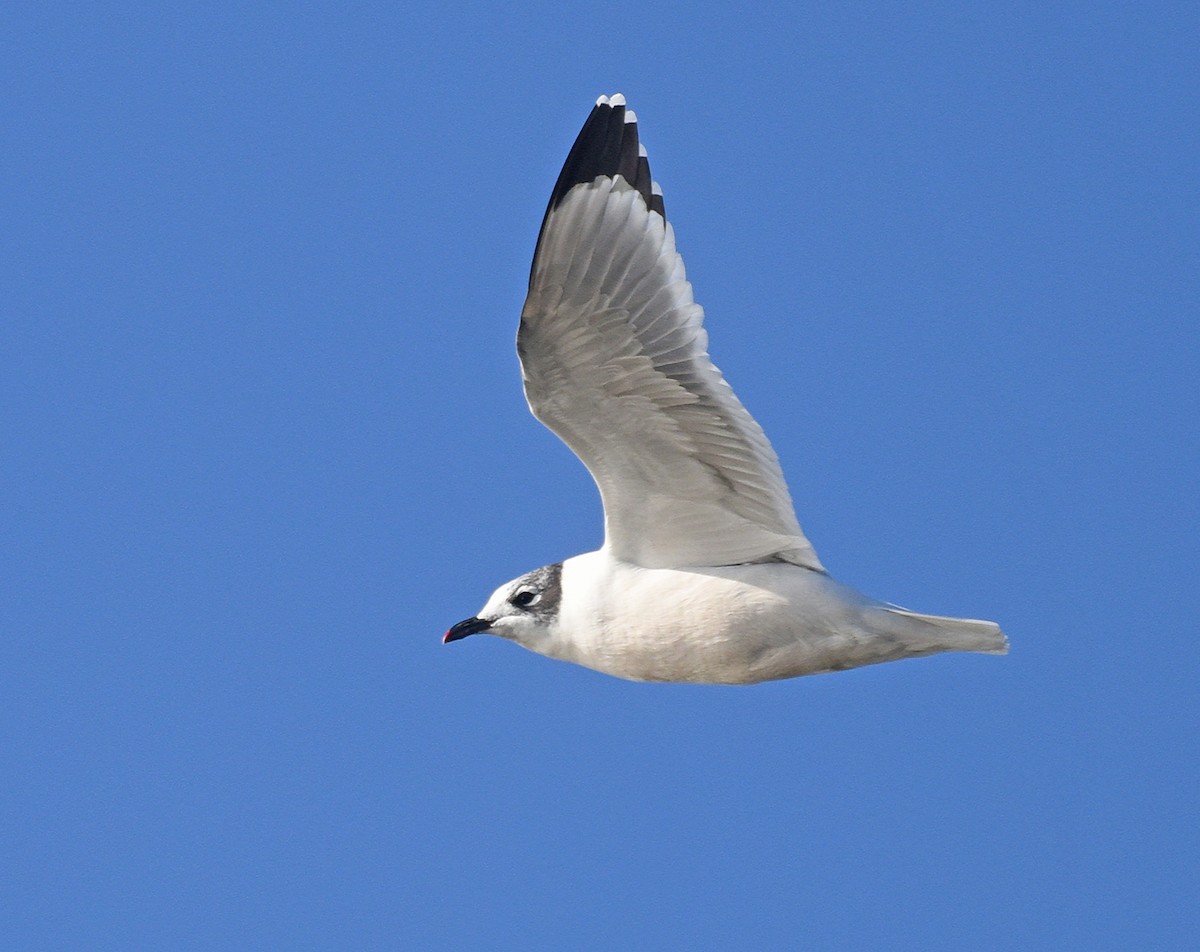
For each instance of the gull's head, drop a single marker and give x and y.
(524, 610)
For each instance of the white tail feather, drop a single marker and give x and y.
(961, 634)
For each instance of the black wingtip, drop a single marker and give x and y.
(607, 145)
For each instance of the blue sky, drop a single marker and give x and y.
(264, 440)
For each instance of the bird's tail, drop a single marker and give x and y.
(955, 634)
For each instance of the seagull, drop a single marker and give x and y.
(705, 575)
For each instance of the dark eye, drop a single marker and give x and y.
(524, 599)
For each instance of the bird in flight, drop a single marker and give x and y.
(704, 575)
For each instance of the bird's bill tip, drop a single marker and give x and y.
(469, 626)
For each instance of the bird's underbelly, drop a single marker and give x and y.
(724, 631)
(725, 625)
(697, 656)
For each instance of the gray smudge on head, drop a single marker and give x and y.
(548, 581)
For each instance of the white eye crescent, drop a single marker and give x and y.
(524, 598)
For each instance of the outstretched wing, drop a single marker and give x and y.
(614, 358)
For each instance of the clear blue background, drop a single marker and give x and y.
(264, 440)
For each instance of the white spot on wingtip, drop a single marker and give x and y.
(630, 117)
(617, 99)
(642, 151)
(602, 101)
(655, 188)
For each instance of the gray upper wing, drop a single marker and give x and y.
(614, 358)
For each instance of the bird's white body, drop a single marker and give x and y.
(705, 574)
(733, 624)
